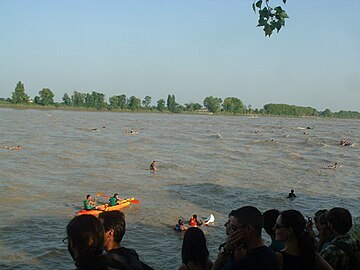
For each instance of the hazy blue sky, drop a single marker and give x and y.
(190, 48)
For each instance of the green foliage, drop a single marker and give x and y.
(66, 100)
(46, 97)
(134, 103)
(269, 18)
(233, 105)
(160, 105)
(146, 102)
(95, 100)
(171, 104)
(78, 99)
(284, 109)
(213, 104)
(347, 114)
(192, 107)
(326, 113)
(19, 95)
(118, 102)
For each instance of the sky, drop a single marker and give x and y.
(190, 48)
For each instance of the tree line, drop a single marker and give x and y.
(230, 105)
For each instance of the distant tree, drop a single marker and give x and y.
(78, 99)
(269, 18)
(192, 107)
(213, 104)
(146, 102)
(233, 105)
(326, 113)
(46, 97)
(118, 102)
(37, 100)
(134, 103)
(160, 105)
(66, 100)
(19, 95)
(250, 109)
(95, 100)
(285, 109)
(171, 103)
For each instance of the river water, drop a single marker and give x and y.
(207, 164)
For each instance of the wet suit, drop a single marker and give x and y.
(126, 259)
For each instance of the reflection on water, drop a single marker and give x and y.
(207, 164)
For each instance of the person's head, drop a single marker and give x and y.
(114, 227)
(227, 224)
(316, 217)
(88, 197)
(194, 247)
(116, 195)
(291, 226)
(250, 220)
(292, 191)
(270, 217)
(194, 216)
(340, 220)
(85, 236)
(181, 222)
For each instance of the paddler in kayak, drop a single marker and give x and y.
(194, 222)
(114, 200)
(89, 204)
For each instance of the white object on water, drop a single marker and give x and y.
(209, 219)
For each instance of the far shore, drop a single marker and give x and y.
(200, 112)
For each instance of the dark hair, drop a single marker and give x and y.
(340, 219)
(306, 243)
(322, 220)
(194, 216)
(87, 196)
(116, 194)
(269, 218)
(86, 236)
(249, 215)
(194, 247)
(114, 220)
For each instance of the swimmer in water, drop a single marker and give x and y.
(153, 166)
(291, 194)
(18, 148)
(335, 166)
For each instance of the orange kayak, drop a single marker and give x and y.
(105, 207)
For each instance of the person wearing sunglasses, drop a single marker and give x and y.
(244, 248)
(300, 249)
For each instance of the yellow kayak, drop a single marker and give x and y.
(105, 207)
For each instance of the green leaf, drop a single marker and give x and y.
(268, 29)
(259, 3)
(264, 13)
(253, 7)
(278, 9)
(284, 15)
(262, 22)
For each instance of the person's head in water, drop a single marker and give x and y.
(181, 222)
(85, 236)
(292, 191)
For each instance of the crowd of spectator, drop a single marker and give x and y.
(95, 243)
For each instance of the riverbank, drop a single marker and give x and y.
(153, 110)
